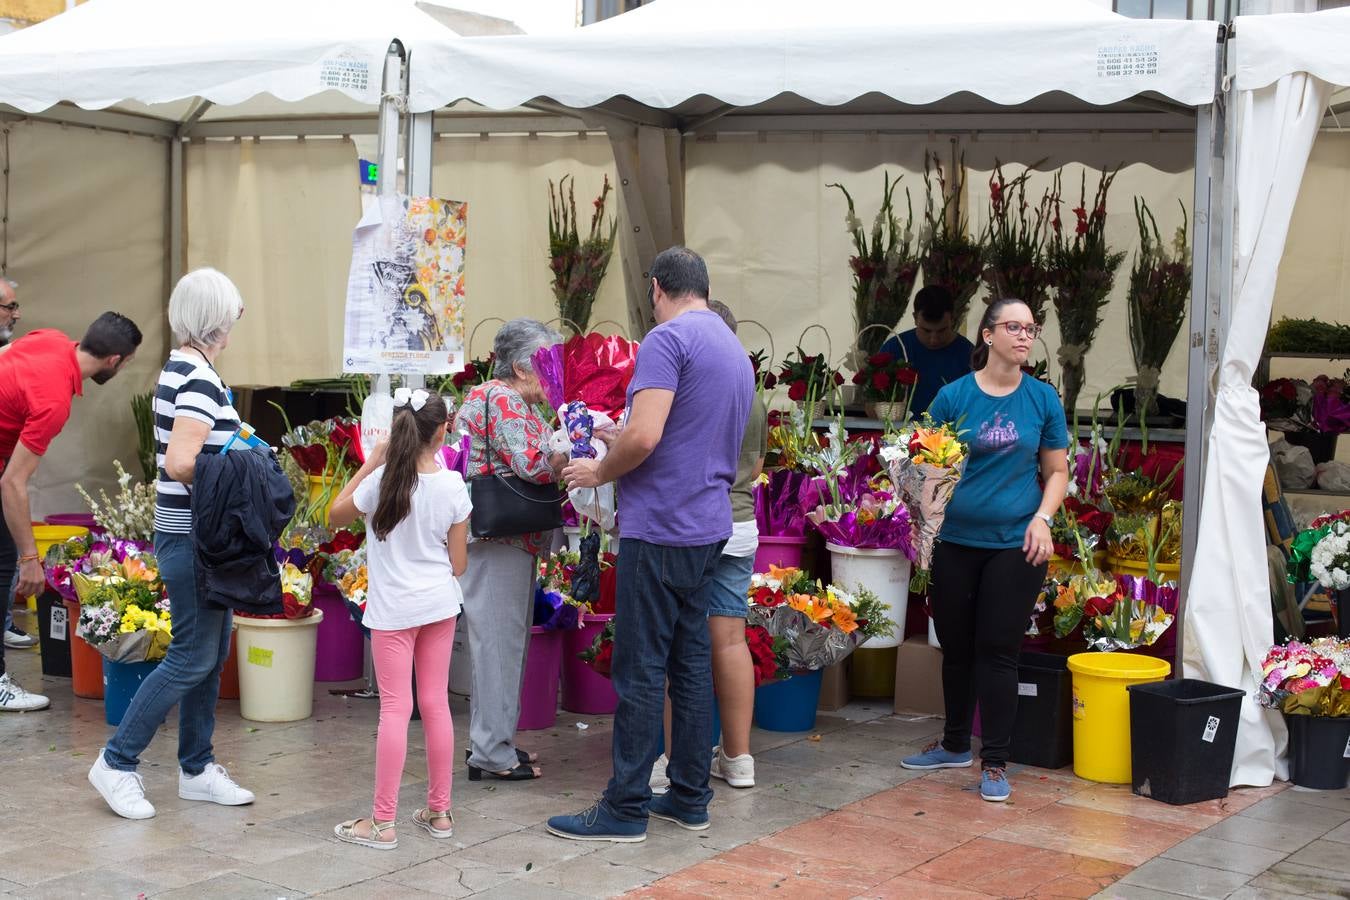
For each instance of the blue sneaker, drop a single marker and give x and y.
(994, 785)
(597, 824)
(935, 757)
(663, 807)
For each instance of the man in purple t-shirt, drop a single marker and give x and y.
(675, 462)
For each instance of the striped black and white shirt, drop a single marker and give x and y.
(190, 388)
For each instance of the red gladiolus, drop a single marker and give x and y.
(797, 390)
(604, 658)
(881, 381)
(769, 381)
(907, 376)
(1099, 606)
(838, 379)
(860, 378)
(880, 360)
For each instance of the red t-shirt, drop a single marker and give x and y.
(39, 375)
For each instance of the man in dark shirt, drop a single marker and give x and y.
(933, 347)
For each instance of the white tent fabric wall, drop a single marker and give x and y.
(505, 181)
(1277, 126)
(82, 239)
(276, 216)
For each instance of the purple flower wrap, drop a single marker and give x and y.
(548, 365)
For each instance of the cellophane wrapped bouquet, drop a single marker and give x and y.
(1117, 612)
(1309, 679)
(1321, 553)
(858, 506)
(62, 561)
(346, 570)
(926, 461)
(124, 613)
(820, 625)
(555, 607)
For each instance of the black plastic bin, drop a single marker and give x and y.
(54, 630)
(1043, 732)
(1183, 732)
(1319, 751)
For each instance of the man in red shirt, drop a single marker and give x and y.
(40, 374)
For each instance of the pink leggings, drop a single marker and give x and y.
(395, 652)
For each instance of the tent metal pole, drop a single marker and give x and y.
(417, 167)
(392, 103)
(175, 218)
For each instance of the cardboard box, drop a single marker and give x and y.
(918, 679)
(834, 693)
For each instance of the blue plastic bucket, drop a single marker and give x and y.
(120, 683)
(789, 705)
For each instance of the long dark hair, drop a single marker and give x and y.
(412, 431)
(979, 357)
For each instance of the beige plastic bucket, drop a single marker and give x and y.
(884, 573)
(276, 667)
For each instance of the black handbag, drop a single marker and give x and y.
(505, 505)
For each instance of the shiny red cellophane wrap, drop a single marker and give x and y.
(597, 369)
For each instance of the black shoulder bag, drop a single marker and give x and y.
(505, 505)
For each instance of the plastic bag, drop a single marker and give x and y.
(596, 504)
(377, 415)
(1293, 465)
(1333, 476)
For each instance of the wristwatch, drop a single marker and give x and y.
(1046, 518)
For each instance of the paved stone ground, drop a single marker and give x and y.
(833, 816)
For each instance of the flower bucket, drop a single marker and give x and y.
(319, 487)
(1319, 751)
(872, 673)
(86, 663)
(121, 680)
(573, 535)
(784, 552)
(539, 685)
(583, 689)
(1139, 568)
(74, 520)
(1101, 711)
(884, 573)
(789, 705)
(276, 667)
(341, 651)
(229, 673)
(54, 632)
(1061, 566)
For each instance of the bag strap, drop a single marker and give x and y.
(487, 435)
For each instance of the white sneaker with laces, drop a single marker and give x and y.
(660, 781)
(13, 698)
(737, 771)
(123, 791)
(16, 639)
(214, 785)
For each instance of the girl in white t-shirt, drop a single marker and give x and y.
(417, 521)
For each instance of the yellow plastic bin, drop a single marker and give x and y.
(48, 536)
(1101, 711)
(324, 489)
(1118, 565)
(276, 667)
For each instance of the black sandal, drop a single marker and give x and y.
(521, 756)
(522, 772)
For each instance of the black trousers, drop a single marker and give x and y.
(9, 563)
(981, 601)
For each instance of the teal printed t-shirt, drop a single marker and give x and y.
(1000, 489)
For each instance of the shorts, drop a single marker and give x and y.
(729, 587)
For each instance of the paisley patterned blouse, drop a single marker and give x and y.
(519, 446)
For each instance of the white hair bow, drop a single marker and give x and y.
(407, 397)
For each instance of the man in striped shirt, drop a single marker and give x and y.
(40, 374)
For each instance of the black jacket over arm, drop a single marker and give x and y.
(241, 502)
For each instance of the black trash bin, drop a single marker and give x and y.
(1043, 732)
(1319, 751)
(1183, 733)
(54, 630)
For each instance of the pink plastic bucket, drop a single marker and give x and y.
(539, 686)
(784, 552)
(340, 654)
(74, 520)
(584, 691)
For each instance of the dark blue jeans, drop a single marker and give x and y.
(660, 633)
(189, 677)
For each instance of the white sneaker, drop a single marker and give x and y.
(737, 771)
(660, 781)
(13, 698)
(17, 639)
(123, 791)
(215, 785)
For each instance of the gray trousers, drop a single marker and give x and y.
(498, 591)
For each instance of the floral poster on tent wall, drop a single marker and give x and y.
(405, 293)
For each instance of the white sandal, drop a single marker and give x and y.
(347, 832)
(424, 817)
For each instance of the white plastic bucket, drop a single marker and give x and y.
(276, 667)
(884, 573)
(573, 535)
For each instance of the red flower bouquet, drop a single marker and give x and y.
(887, 378)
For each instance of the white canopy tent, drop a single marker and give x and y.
(1285, 70)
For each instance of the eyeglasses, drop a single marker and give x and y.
(1016, 328)
(10, 307)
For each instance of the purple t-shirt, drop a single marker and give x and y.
(681, 494)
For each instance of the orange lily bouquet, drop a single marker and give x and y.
(819, 625)
(926, 462)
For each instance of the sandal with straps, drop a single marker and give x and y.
(347, 832)
(425, 816)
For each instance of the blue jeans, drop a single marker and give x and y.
(189, 676)
(660, 633)
(729, 589)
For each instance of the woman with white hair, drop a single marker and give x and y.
(508, 439)
(194, 414)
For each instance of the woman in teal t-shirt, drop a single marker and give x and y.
(990, 561)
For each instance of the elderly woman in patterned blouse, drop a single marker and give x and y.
(499, 584)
